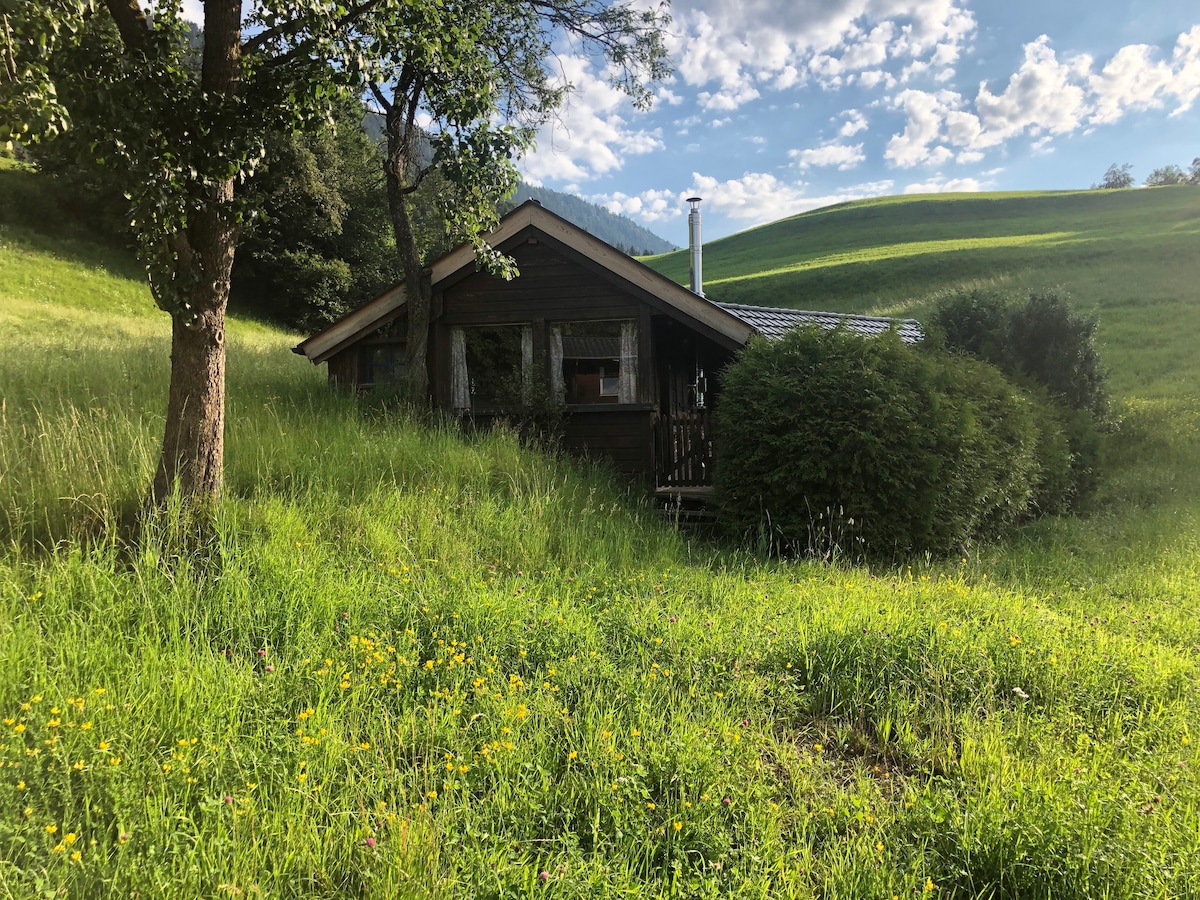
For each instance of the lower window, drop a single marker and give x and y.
(594, 362)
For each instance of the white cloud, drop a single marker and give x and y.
(919, 143)
(591, 135)
(939, 185)
(755, 198)
(668, 96)
(649, 206)
(1185, 63)
(729, 99)
(876, 77)
(841, 155)
(733, 49)
(855, 122)
(1130, 80)
(1041, 96)
(759, 197)
(1044, 98)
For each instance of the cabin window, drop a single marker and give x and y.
(594, 362)
(383, 364)
(490, 366)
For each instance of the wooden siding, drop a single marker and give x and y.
(550, 287)
(624, 435)
(343, 368)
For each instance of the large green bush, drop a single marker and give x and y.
(1050, 349)
(831, 442)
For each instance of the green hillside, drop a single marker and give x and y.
(410, 663)
(1131, 256)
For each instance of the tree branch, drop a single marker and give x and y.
(10, 62)
(292, 26)
(131, 22)
(384, 103)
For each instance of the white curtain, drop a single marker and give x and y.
(460, 385)
(558, 387)
(627, 385)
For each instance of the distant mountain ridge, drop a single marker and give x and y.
(623, 233)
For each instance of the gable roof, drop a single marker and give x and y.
(532, 214)
(773, 322)
(735, 323)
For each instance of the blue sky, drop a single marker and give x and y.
(778, 106)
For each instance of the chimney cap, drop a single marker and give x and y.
(693, 199)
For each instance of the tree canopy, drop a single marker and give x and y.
(1117, 177)
(183, 124)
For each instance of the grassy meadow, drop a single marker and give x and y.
(409, 663)
(1127, 256)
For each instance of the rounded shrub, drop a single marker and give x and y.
(1042, 344)
(829, 442)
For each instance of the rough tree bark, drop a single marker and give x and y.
(193, 442)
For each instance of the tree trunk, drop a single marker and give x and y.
(401, 150)
(419, 295)
(193, 447)
(194, 441)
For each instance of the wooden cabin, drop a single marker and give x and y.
(630, 356)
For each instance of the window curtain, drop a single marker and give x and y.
(527, 372)
(627, 384)
(558, 387)
(460, 385)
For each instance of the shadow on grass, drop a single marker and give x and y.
(39, 218)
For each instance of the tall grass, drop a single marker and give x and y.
(416, 663)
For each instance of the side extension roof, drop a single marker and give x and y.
(773, 322)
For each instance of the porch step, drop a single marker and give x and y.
(685, 505)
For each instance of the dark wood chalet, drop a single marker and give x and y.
(631, 356)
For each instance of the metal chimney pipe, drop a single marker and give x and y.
(694, 244)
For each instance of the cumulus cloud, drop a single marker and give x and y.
(668, 96)
(729, 99)
(920, 141)
(649, 206)
(733, 49)
(855, 122)
(939, 185)
(1046, 97)
(759, 197)
(1133, 79)
(591, 136)
(754, 199)
(843, 156)
(1042, 96)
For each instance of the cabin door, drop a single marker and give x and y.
(684, 434)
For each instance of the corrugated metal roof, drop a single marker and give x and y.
(773, 322)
